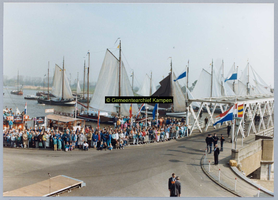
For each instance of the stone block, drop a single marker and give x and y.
(233, 163)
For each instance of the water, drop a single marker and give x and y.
(34, 109)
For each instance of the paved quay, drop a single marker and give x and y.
(231, 179)
(136, 171)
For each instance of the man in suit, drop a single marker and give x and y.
(171, 182)
(216, 154)
(215, 139)
(176, 188)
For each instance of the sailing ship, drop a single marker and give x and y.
(147, 88)
(112, 81)
(60, 88)
(82, 98)
(18, 91)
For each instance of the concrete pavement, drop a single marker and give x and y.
(232, 180)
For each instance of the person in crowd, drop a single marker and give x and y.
(215, 139)
(222, 139)
(228, 129)
(55, 142)
(60, 144)
(216, 154)
(25, 139)
(89, 138)
(67, 146)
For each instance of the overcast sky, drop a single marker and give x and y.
(35, 33)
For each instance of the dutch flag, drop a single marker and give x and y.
(140, 109)
(25, 110)
(226, 116)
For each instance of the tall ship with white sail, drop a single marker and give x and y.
(61, 89)
(112, 81)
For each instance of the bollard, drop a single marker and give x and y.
(258, 192)
(235, 183)
(205, 160)
(219, 176)
(209, 166)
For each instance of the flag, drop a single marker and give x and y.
(226, 116)
(240, 110)
(140, 109)
(25, 110)
(98, 119)
(154, 111)
(130, 111)
(232, 75)
(181, 76)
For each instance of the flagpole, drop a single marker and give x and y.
(157, 114)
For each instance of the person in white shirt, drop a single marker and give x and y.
(85, 146)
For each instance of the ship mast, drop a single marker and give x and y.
(84, 79)
(120, 61)
(171, 70)
(88, 82)
(63, 78)
(48, 81)
(151, 84)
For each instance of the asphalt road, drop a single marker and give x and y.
(136, 171)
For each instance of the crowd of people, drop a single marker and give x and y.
(106, 138)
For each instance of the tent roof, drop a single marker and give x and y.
(62, 118)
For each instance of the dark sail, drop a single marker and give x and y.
(165, 89)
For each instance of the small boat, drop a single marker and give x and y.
(56, 101)
(31, 97)
(18, 91)
(39, 94)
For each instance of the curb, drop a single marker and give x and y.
(215, 181)
(257, 186)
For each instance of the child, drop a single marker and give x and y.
(117, 145)
(70, 146)
(55, 143)
(67, 146)
(59, 144)
(85, 146)
(121, 145)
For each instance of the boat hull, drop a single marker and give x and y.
(17, 92)
(57, 103)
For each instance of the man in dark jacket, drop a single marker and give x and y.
(222, 139)
(176, 188)
(215, 139)
(216, 154)
(228, 129)
(209, 141)
(171, 182)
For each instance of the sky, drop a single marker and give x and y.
(35, 33)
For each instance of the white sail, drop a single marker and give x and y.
(57, 84)
(78, 89)
(145, 88)
(67, 89)
(178, 96)
(202, 87)
(108, 85)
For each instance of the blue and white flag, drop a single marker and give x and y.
(140, 109)
(154, 111)
(181, 76)
(232, 75)
(226, 116)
